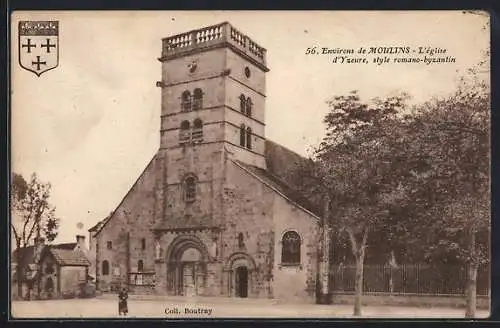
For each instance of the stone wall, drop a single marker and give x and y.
(248, 209)
(295, 282)
(132, 221)
(71, 277)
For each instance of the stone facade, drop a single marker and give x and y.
(207, 217)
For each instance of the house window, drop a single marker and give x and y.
(249, 138)
(109, 245)
(105, 268)
(189, 189)
(184, 133)
(241, 242)
(290, 248)
(140, 266)
(242, 135)
(197, 99)
(186, 101)
(243, 103)
(197, 135)
(143, 243)
(248, 106)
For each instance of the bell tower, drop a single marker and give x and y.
(213, 93)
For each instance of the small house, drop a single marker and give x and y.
(51, 271)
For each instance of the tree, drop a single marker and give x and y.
(352, 174)
(454, 133)
(32, 216)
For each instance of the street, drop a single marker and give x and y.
(180, 308)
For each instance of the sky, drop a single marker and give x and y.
(90, 126)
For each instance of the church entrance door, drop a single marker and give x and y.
(187, 259)
(241, 281)
(192, 273)
(188, 279)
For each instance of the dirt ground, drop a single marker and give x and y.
(181, 308)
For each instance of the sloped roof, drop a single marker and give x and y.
(99, 224)
(281, 186)
(28, 253)
(279, 159)
(65, 257)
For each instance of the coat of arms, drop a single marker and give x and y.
(38, 45)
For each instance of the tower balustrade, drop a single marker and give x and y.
(223, 34)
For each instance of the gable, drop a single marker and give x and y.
(101, 224)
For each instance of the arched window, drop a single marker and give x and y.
(189, 189)
(290, 248)
(241, 242)
(105, 268)
(140, 266)
(184, 133)
(243, 103)
(197, 99)
(248, 107)
(143, 243)
(197, 135)
(249, 138)
(242, 135)
(186, 101)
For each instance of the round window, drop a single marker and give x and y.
(247, 72)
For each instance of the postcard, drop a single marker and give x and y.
(250, 164)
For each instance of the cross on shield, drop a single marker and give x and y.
(38, 46)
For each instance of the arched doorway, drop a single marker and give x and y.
(240, 272)
(186, 266)
(241, 281)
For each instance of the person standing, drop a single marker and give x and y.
(122, 301)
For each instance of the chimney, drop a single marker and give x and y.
(80, 242)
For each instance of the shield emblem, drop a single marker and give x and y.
(38, 45)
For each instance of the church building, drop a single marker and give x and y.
(212, 213)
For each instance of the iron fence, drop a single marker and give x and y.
(419, 279)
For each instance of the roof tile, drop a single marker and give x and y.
(70, 257)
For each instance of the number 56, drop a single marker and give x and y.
(311, 51)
